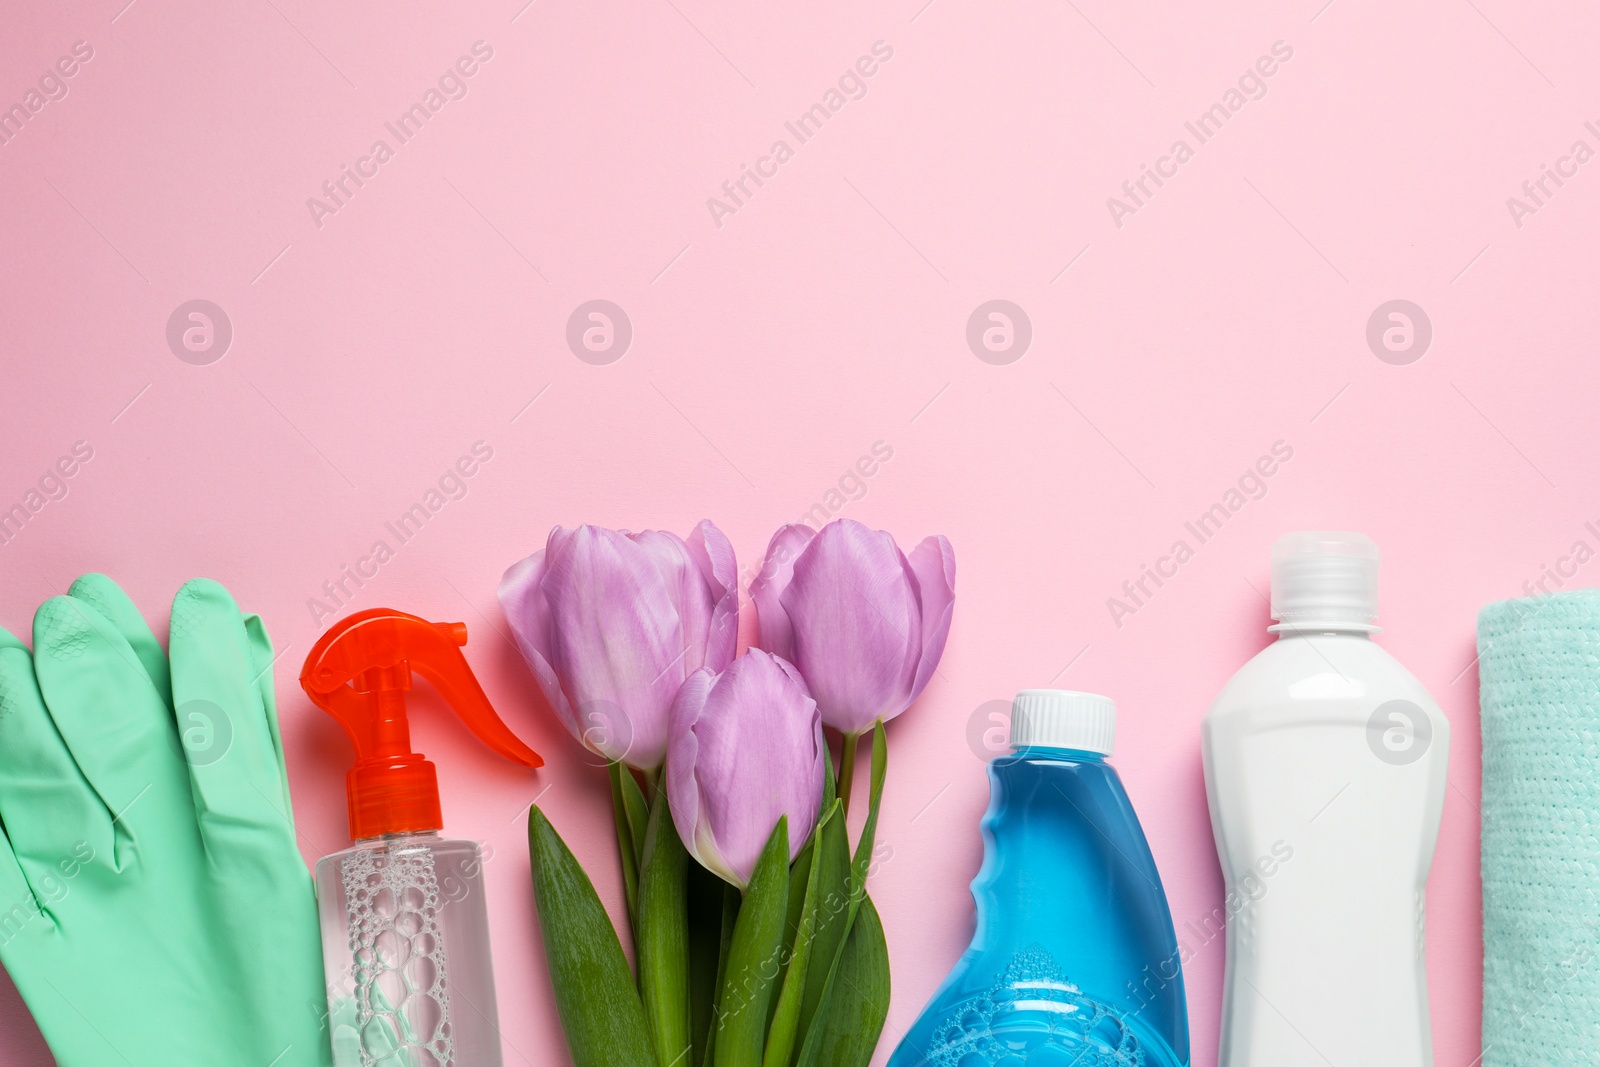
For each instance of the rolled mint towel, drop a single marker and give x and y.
(1539, 680)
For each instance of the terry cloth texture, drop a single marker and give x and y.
(1539, 674)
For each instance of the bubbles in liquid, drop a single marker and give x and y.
(402, 1012)
(1033, 1017)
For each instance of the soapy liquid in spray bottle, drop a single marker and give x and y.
(412, 952)
(405, 926)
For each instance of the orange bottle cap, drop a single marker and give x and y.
(359, 672)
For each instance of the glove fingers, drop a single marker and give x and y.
(261, 658)
(8, 640)
(234, 768)
(106, 597)
(50, 812)
(111, 717)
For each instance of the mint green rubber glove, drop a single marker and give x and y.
(154, 909)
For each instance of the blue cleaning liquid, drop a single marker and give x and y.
(1074, 962)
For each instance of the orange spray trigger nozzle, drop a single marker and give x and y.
(359, 672)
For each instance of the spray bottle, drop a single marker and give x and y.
(1074, 961)
(405, 930)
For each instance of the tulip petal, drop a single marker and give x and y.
(682, 784)
(746, 749)
(611, 622)
(691, 599)
(719, 569)
(523, 601)
(853, 608)
(615, 642)
(933, 562)
(766, 589)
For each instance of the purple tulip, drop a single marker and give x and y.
(612, 622)
(864, 624)
(745, 748)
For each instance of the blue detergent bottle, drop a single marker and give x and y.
(1074, 962)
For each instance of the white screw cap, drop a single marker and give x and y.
(1323, 578)
(1062, 718)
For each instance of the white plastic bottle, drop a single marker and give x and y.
(1325, 769)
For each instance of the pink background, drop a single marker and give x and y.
(828, 313)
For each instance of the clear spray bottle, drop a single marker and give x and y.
(405, 929)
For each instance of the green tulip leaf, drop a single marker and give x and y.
(829, 977)
(804, 915)
(799, 878)
(869, 831)
(829, 912)
(599, 1007)
(753, 957)
(859, 1002)
(663, 936)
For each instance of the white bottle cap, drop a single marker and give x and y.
(1324, 580)
(1061, 718)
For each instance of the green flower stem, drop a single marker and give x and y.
(628, 848)
(663, 937)
(847, 769)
